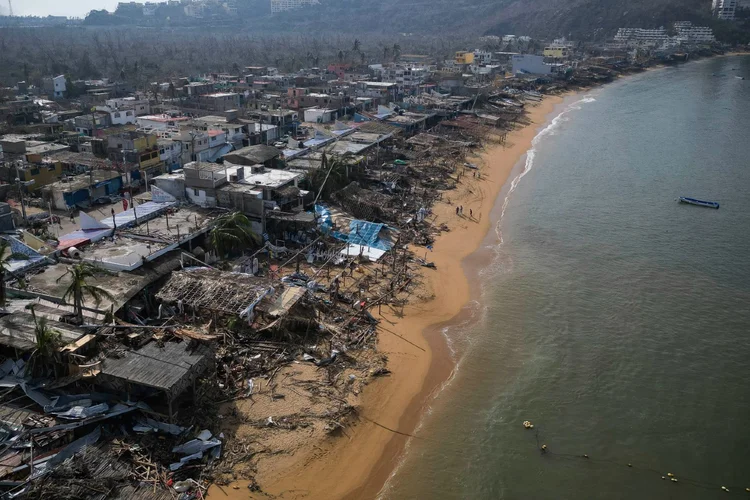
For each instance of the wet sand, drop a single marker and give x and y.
(357, 466)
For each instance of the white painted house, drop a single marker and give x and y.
(58, 84)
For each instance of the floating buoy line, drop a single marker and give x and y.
(543, 448)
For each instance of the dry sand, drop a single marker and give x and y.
(357, 465)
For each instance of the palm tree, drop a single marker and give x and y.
(47, 341)
(5, 248)
(78, 287)
(232, 232)
(329, 178)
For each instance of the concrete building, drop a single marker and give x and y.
(235, 133)
(639, 36)
(161, 122)
(201, 181)
(724, 9)
(139, 106)
(118, 116)
(92, 124)
(384, 92)
(689, 34)
(170, 152)
(284, 5)
(556, 52)
(464, 58)
(56, 87)
(138, 149)
(220, 101)
(533, 65)
(482, 57)
(320, 115)
(172, 183)
(82, 189)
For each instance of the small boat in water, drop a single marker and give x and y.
(700, 203)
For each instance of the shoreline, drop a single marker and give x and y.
(358, 464)
(390, 410)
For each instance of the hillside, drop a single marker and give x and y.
(576, 19)
(581, 19)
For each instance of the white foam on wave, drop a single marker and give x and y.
(476, 307)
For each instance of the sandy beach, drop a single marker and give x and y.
(357, 465)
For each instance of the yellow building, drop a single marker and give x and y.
(41, 173)
(556, 52)
(463, 57)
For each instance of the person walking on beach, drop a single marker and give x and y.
(456, 210)
(462, 209)
(471, 213)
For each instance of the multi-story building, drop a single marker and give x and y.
(55, 87)
(139, 107)
(139, 150)
(92, 124)
(220, 101)
(535, 65)
(118, 116)
(384, 92)
(689, 34)
(463, 57)
(482, 57)
(639, 36)
(302, 98)
(282, 5)
(724, 9)
(556, 52)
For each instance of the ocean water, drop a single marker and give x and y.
(614, 318)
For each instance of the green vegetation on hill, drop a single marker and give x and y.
(577, 19)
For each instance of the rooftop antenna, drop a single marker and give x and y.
(10, 8)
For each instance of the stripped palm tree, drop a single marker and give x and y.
(47, 341)
(232, 233)
(79, 287)
(6, 255)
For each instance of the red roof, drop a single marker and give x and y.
(214, 133)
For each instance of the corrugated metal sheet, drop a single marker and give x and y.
(160, 367)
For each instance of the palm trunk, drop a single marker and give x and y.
(2, 288)
(78, 305)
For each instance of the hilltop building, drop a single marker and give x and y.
(283, 5)
(724, 9)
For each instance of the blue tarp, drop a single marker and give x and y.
(365, 233)
(326, 223)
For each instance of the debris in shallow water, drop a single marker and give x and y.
(630, 465)
(663, 477)
(527, 424)
(669, 474)
(585, 456)
(725, 489)
(674, 479)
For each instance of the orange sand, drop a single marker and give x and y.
(358, 466)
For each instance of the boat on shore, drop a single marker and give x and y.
(700, 203)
